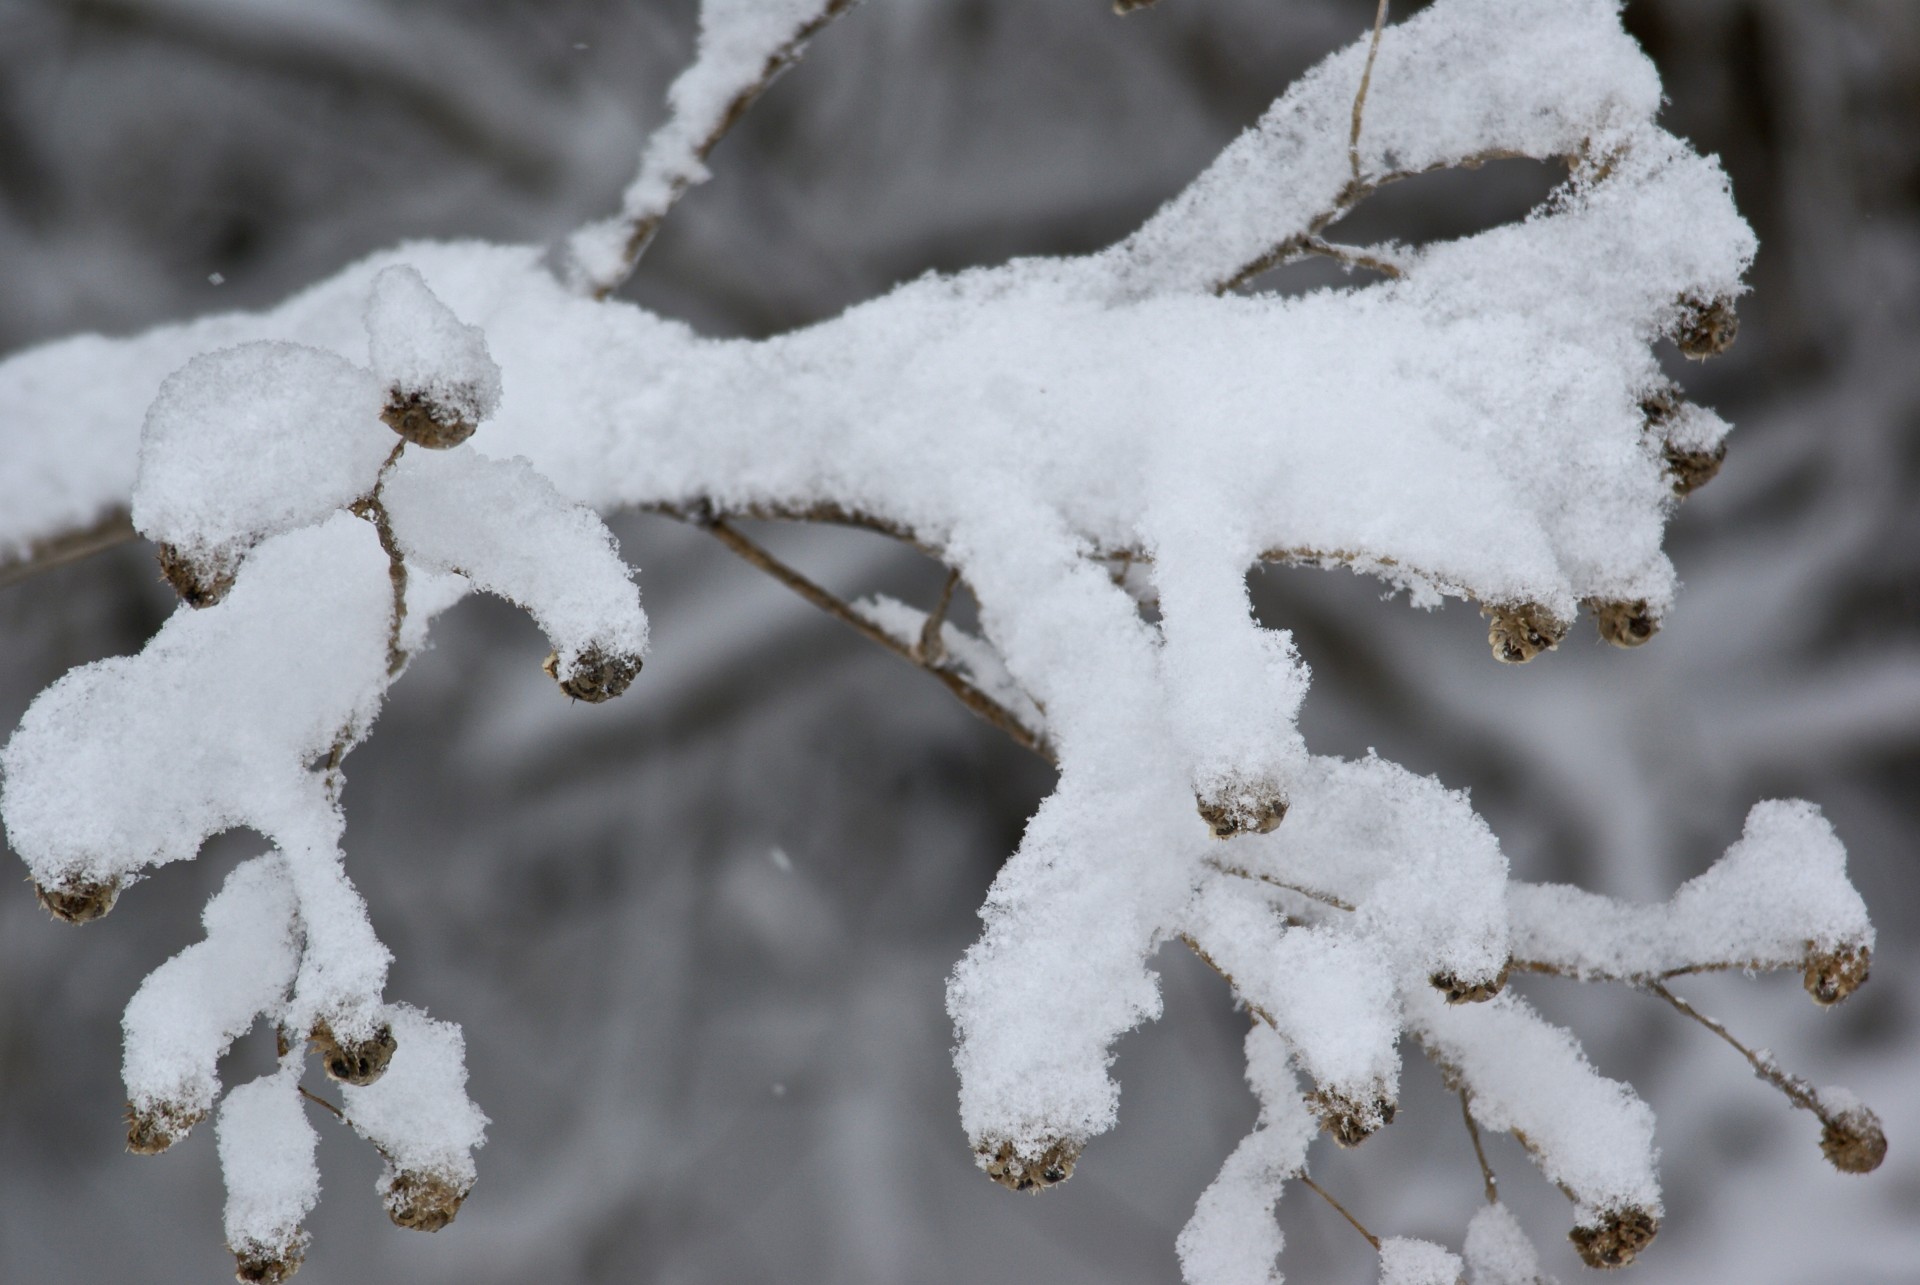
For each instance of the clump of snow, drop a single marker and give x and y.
(418, 1113)
(1405, 1261)
(1498, 1251)
(420, 349)
(251, 441)
(191, 1008)
(266, 1157)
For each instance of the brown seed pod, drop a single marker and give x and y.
(1348, 1121)
(596, 676)
(1522, 630)
(1018, 1172)
(1243, 808)
(153, 1130)
(1706, 327)
(1624, 624)
(1460, 991)
(257, 1265)
(1618, 1239)
(1691, 470)
(356, 1062)
(1832, 975)
(426, 421)
(197, 584)
(421, 1201)
(1853, 1141)
(78, 903)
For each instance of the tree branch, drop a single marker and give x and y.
(1360, 98)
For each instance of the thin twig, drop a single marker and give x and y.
(1353, 257)
(972, 697)
(933, 644)
(1237, 872)
(1491, 1183)
(1342, 1209)
(315, 1098)
(1797, 1090)
(1360, 98)
(642, 225)
(70, 546)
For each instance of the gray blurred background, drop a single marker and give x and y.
(698, 938)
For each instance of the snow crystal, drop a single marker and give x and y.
(1404, 1261)
(266, 1157)
(1498, 1251)
(250, 441)
(192, 1007)
(420, 349)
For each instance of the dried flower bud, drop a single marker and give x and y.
(1242, 807)
(427, 421)
(259, 1265)
(1460, 991)
(1351, 1122)
(1624, 624)
(1522, 630)
(1618, 1239)
(198, 584)
(1019, 1172)
(595, 675)
(1706, 328)
(357, 1062)
(1128, 6)
(78, 903)
(1691, 470)
(1833, 975)
(1853, 1141)
(421, 1201)
(152, 1129)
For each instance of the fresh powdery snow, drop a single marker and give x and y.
(1074, 437)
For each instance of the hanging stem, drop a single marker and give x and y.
(1342, 1210)
(1487, 1179)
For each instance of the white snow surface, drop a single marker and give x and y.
(266, 1157)
(418, 1113)
(191, 1008)
(1405, 1261)
(1498, 1252)
(417, 346)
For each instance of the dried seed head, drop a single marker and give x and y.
(1017, 1171)
(1348, 1121)
(595, 676)
(258, 1265)
(1832, 975)
(152, 1129)
(1128, 6)
(1624, 624)
(427, 421)
(357, 1062)
(1706, 328)
(1460, 991)
(1242, 807)
(1522, 630)
(1618, 1239)
(421, 1201)
(78, 903)
(1691, 470)
(198, 584)
(1853, 1141)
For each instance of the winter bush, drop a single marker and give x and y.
(1099, 448)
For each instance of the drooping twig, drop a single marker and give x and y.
(1341, 1209)
(317, 1100)
(1360, 98)
(933, 645)
(1797, 1090)
(969, 695)
(1491, 1184)
(1237, 872)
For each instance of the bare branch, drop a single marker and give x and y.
(1342, 1210)
(932, 648)
(70, 546)
(1360, 98)
(1324, 898)
(1487, 1180)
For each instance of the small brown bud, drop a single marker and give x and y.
(1522, 630)
(421, 1201)
(1348, 1121)
(357, 1062)
(257, 1265)
(1853, 1141)
(596, 676)
(153, 1130)
(1706, 328)
(1019, 1172)
(426, 421)
(1460, 991)
(1128, 6)
(78, 903)
(1242, 807)
(1620, 1237)
(1833, 975)
(198, 584)
(1691, 470)
(1624, 624)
